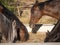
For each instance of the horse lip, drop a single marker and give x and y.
(32, 25)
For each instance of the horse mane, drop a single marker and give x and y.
(41, 4)
(25, 31)
(10, 15)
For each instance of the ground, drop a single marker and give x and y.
(35, 38)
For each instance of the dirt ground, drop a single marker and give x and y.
(35, 38)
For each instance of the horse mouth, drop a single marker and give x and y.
(32, 25)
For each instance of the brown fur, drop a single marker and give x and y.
(22, 34)
(49, 8)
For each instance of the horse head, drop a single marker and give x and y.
(37, 11)
(36, 14)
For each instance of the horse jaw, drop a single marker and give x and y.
(32, 25)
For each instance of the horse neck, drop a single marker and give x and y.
(51, 11)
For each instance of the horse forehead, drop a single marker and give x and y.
(36, 7)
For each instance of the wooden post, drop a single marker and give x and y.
(54, 35)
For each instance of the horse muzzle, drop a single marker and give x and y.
(32, 25)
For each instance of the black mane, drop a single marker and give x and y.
(41, 4)
(10, 15)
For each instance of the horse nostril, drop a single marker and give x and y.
(31, 25)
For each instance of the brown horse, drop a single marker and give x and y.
(22, 34)
(49, 8)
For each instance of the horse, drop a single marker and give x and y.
(39, 9)
(5, 28)
(49, 8)
(24, 36)
(11, 16)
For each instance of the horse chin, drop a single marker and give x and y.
(32, 25)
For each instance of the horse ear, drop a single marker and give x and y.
(36, 2)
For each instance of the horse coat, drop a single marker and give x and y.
(5, 27)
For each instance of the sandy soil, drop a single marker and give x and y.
(35, 38)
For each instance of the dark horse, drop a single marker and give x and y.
(5, 28)
(19, 24)
(49, 8)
